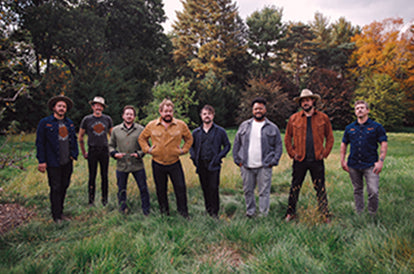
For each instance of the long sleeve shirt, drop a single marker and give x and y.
(166, 142)
(364, 140)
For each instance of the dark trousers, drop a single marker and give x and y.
(209, 181)
(317, 171)
(59, 179)
(98, 155)
(141, 179)
(176, 174)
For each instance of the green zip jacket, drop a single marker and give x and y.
(124, 140)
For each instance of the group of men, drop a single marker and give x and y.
(257, 149)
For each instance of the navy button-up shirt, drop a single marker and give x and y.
(364, 140)
(47, 140)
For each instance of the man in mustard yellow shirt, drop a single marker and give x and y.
(166, 134)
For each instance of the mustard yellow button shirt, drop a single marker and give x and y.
(166, 142)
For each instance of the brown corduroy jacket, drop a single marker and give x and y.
(295, 136)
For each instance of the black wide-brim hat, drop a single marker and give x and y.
(52, 101)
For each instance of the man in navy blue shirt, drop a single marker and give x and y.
(364, 135)
(56, 149)
(210, 145)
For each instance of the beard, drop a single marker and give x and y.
(308, 108)
(167, 119)
(60, 113)
(259, 116)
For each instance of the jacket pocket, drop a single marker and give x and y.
(271, 137)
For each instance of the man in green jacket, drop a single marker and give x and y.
(124, 147)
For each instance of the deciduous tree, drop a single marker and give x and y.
(336, 94)
(279, 106)
(382, 48)
(386, 99)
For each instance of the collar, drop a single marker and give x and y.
(57, 120)
(364, 124)
(126, 128)
(212, 127)
(302, 113)
(250, 121)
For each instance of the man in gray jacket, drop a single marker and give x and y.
(257, 148)
(124, 147)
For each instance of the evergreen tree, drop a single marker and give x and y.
(300, 50)
(266, 39)
(209, 35)
(209, 39)
(332, 43)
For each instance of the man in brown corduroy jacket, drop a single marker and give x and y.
(306, 133)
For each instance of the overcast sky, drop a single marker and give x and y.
(358, 12)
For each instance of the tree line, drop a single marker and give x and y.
(118, 49)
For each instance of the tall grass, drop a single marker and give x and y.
(100, 240)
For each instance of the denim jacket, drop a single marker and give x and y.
(364, 140)
(47, 141)
(270, 139)
(220, 147)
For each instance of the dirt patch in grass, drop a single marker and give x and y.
(13, 215)
(223, 255)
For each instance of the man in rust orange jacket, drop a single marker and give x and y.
(308, 140)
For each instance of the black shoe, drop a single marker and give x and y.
(65, 218)
(289, 217)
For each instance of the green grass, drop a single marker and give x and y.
(100, 240)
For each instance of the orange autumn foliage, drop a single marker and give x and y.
(386, 47)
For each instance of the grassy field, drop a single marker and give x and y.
(100, 240)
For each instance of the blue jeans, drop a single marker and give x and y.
(372, 181)
(263, 178)
(141, 179)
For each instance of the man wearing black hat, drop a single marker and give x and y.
(97, 126)
(308, 140)
(56, 149)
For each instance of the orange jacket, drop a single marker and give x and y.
(166, 142)
(296, 132)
